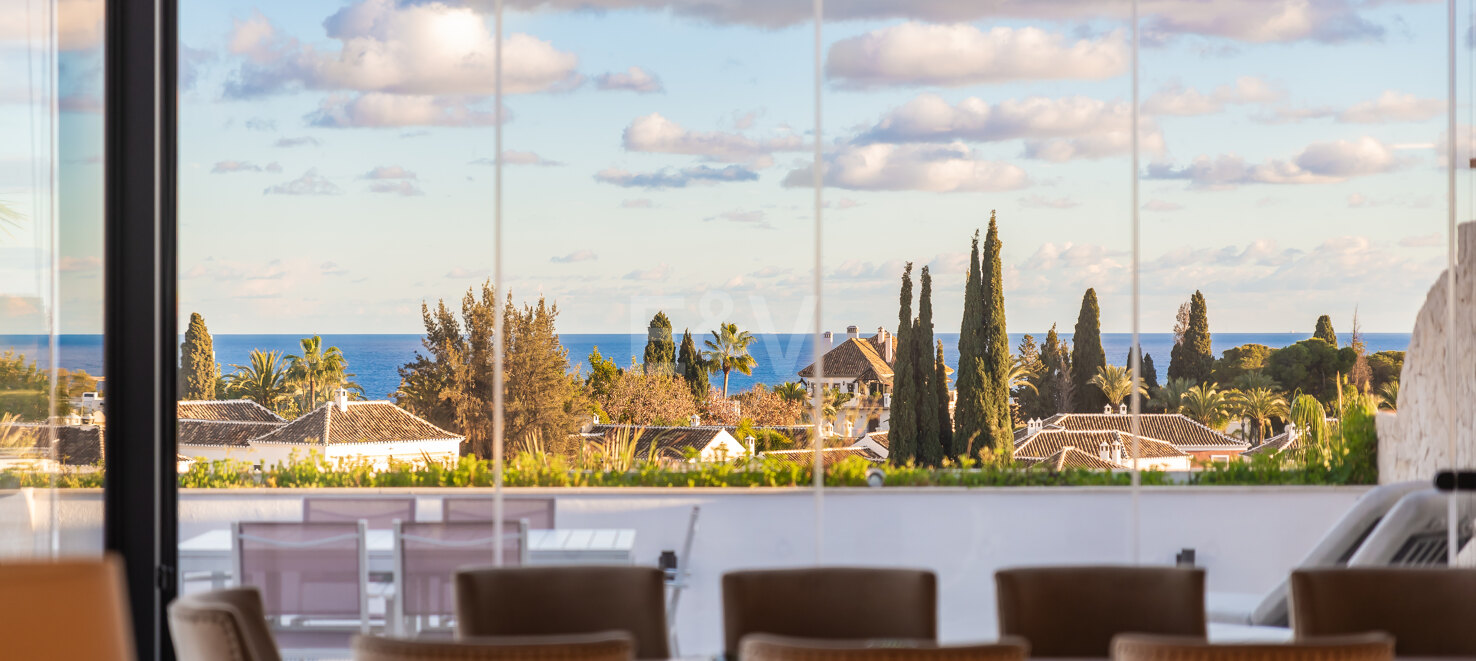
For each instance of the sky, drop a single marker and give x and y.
(335, 161)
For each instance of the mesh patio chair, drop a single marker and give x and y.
(607, 646)
(854, 603)
(1143, 647)
(538, 511)
(1075, 611)
(221, 624)
(1429, 611)
(309, 574)
(428, 555)
(379, 513)
(767, 647)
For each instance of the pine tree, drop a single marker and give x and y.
(1055, 367)
(1087, 355)
(1149, 372)
(1031, 403)
(660, 355)
(998, 425)
(969, 412)
(693, 368)
(198, 371)
(1193, 358)
(902, 429)
(940, 393)
(930, 450)
(1325, 332)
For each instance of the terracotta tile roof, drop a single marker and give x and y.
(853, 359)
(239, 410)
(796, 433)
(1273, 445)
(1180, 430)
(881, 438)
(1050, 442)
(1072, 457)
(76, 445)
(670, 443)
(830, 456)
(221, 432)
(359, 422)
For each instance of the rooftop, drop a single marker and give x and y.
(235, 410)
(853, 359)
(1181, 431)
(357, 422)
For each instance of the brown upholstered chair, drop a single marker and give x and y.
(1075, 611)
(1429, 611)
(541, 601)
(830, 603)
(221, 624)
(767, 647)
(69, 609)
(1144, 647)
(605, 646)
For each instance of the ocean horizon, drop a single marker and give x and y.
(375, 358)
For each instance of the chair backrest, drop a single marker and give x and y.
(304, 569)
(538, 511)
(538, 601)
(72, 609)
(221, 624)
(830, 602)
(767, 647)
(606, 646)
(428, 555)
(380, 513)
(1429, 611)
(1143, 647)
(1075, 611)
(1413, 533)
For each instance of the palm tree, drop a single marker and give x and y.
(264, 381)
(728, 351)
(1207, 404)
(1171, 393)
(1116, 383)
(1388, 395)
(318, 372)
(1255, 379)
(791, 391)
(1021, 372)
(834, 400)
(1259, 405)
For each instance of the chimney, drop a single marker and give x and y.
(1104, 451)
(850, 429)
(888, 350)
(1122, 409)
(1292, 433)
(1117, 451)
(852, 332)
(1106, 409)
(751, 447)
(829, 337)
(696, 420)
(340, 399)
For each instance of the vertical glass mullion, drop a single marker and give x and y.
(818, 397)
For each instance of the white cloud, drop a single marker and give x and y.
(378, 110)
(673, 178)
(527, 158)
(1323, 162)
(934, 168)
(1043, 202)
(576, 256)
(1183, 101)
(401, 187)
(954, 55)
(310, 183)
(225, 167)
(306, 140)
(634, 79)
(661, 271)
(389, 172)
(655, 133)
(1053, 129)
(754, 218)
(1392, 106)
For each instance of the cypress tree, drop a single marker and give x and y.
(902, 429)
(693, 368)
(969, 412)
(1193, 358)
(1087, 355)
(1324, 331)
(930, 450)
(940, 392)
(998, 427)
(1149, 372)
(660, 356)
(198, 370)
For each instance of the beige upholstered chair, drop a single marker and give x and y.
(70, 609)
(546, 601)
(767, 647)
(221, 624)
(1075, 611)
(830, 602)
(1145, 647)
(1429, 611)
(605, 646)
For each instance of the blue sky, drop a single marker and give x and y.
(330, 178)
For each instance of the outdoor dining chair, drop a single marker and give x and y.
(1429, 611)
(309, 574)
(221, 624)
(69, 609)
(427, 555)
(539, 512)
(380, 513)
(767, 647)
(606, 646)
(1144, 647)
(830, 603)
(1075, 611)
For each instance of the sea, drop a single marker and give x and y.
(374, 359)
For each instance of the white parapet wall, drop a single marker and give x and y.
(1247, 538)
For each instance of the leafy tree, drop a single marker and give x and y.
(1253, 380)
(318, 372)
(262, 380)
(198, 371)
(660, 353)
(1386, 366)
(1310, 418)
(1311, 366)
(1115, 383)
(902, 431)
(1324, 331)
(543, 400)
(693, 367)
(1053, 382)
(1360, 375)
(603, 373)
(1206, 403)
(1259, 405)
(1193, 358)
(940, 399)
(767, 408)
(930, 450)
(648, 398)
(1087, 356)
(969, 413)
(1236, 361)
(428, 382)
(728, 351)
(997, 428)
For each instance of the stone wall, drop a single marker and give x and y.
(1434, 386)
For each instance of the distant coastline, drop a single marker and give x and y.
(375, 358)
